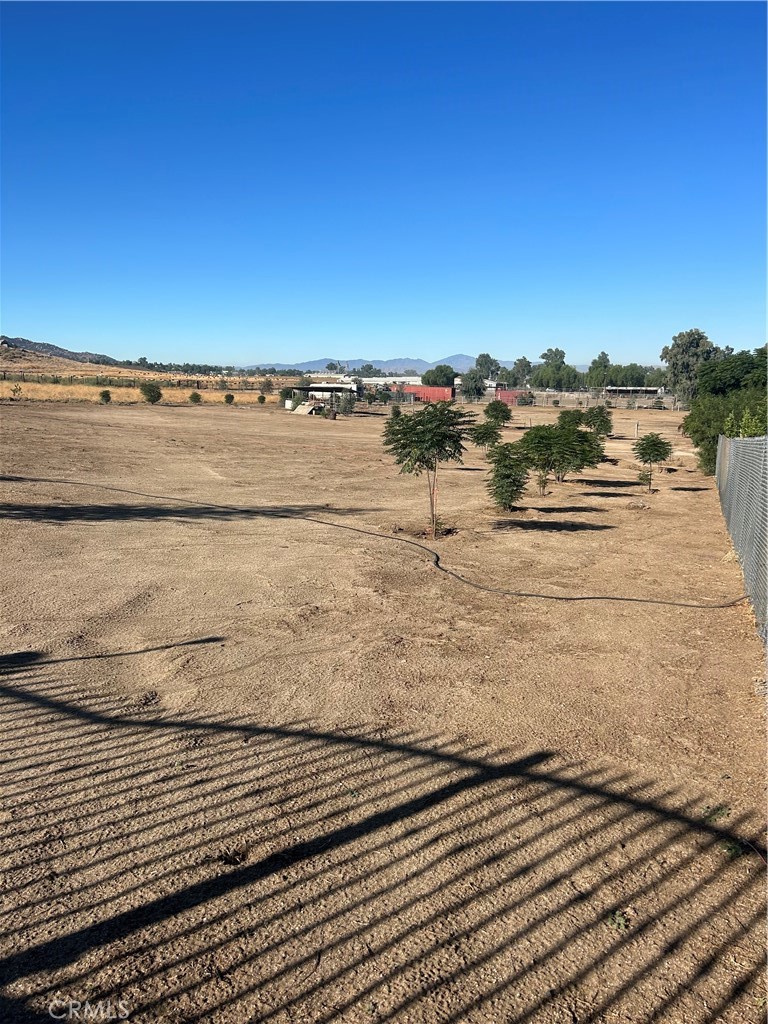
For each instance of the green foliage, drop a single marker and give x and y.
(229, 398)
(498, 412)
(744, 370)
(556, 375)
(105, 396)
(421, 441)
(710, 413)
(684, 357)
(525, 399)
(751, 425)
(395, 411)
(560, 450)
(284, 394)
(267, 386)
(599, 420)
(485, 435)
(441, 376)
(347, 404)
(261, 399)
(472, 384)
(487, 365)
(150, 392)
(571, 418)
(508, 476)
(195, 398)
(370, 397)
(553, 357)
(651, 450)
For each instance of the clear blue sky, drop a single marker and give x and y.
(242, 183)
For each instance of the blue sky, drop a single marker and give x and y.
(243, 183)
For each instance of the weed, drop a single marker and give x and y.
(732, 848)
(105, 396)
(715, 812)
(619, 921)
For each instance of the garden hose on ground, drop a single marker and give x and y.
(434, 555)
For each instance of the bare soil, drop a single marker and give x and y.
(262, 761)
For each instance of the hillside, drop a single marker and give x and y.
(43, 348)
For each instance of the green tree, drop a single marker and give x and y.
(522, 368)
(651, 450)
(684, 357)
(229, 398)
(395, 411)
(105, 396)
(508, 476)
(441, 376)
(420, 442)
(472, 385)
(553, 357)
(498, 411)
(485, 435)
(570, 418)
(487, 365)
(261, 399)
(599, 420)
(195, 398)
(732, 373)
(150, 392)
(751, 425)
(347, 403)
(712, 415)
(266, 387)
(285, 394)
(560, 450)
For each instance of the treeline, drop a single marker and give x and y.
(729, 398)
(553, 372)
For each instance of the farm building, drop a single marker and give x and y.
(324, 391)
(423, 393)
(509, 397)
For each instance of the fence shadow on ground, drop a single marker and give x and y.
(216, 869)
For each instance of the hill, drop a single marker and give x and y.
(43, 348)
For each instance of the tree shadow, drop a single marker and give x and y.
(691, 488)
(604, 483)
(605, 494)
(93, 513)
(563, 508)
(201, 868)
(550, 525)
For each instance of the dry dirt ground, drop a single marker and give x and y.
(262, 761)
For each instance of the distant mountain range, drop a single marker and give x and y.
(406, 366)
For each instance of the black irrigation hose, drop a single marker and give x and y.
(434, 555)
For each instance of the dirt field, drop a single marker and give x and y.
(262, 761)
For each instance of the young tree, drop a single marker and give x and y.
(485, 435)
(261, 399)
(229, 398)
(266, 387)
(560, 450)
(105, 396)
(509, 475)
(472, 384)
(395, 411)
(441, 376)
(150, 392)
(421, 441)
(599, 420)
(195, 398)
(651, 450)
(498, 412)
(570, 418)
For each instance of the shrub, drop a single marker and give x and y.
(229, 398)
(498, 412)
(261, 399)
(105, 396)
(525, 399)
(555, 401)
(599, 420)
(150, 392)
(195, 398)
(285, 394)
(657, 404)
(571, 418)
(509, 475)
(395, 411)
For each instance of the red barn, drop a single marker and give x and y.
(422, 393)
(510, 397)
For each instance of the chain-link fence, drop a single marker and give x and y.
(742, 480)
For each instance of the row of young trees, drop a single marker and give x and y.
(422, 441)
